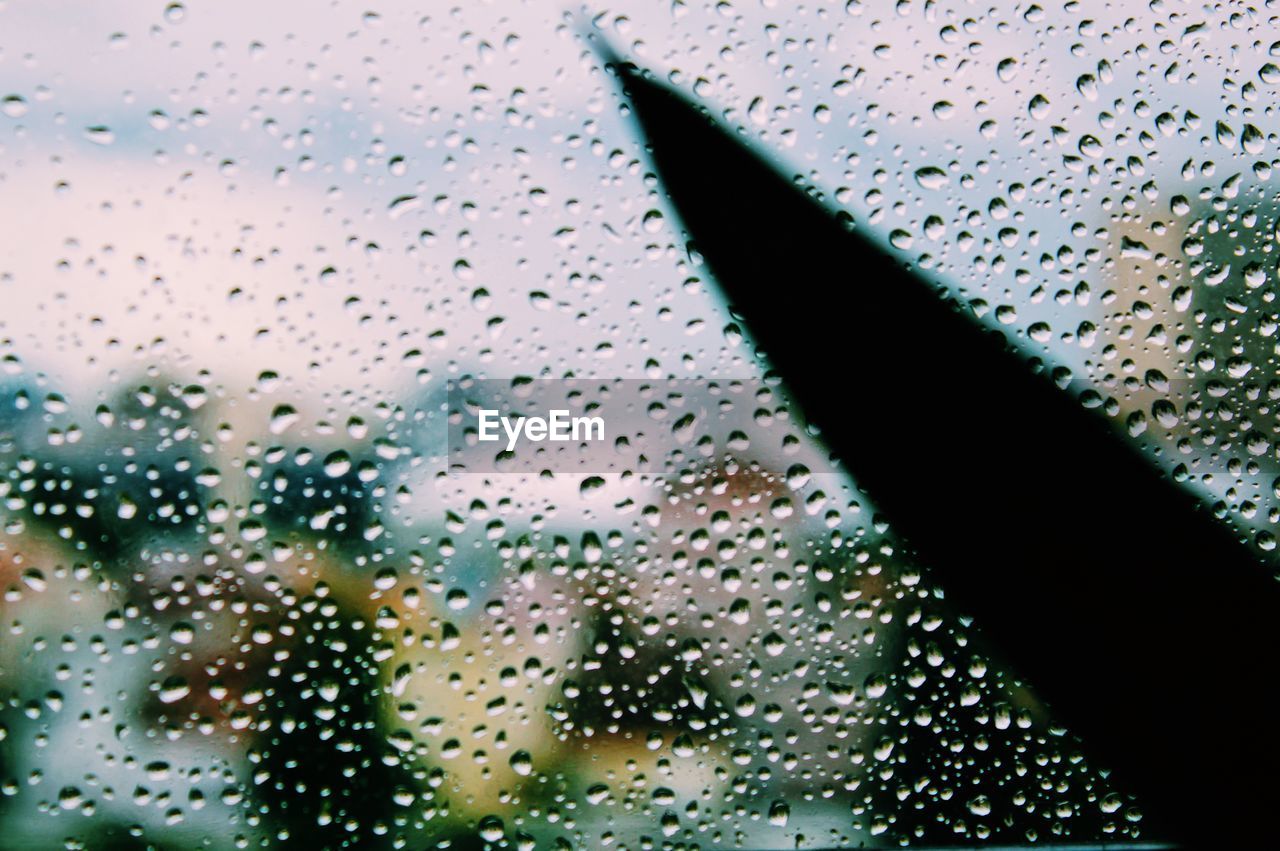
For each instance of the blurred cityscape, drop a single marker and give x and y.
(223, 636)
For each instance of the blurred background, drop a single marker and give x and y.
(246, 246)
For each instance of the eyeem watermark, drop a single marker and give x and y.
(594, 427)
(559, 426)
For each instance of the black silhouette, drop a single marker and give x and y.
(1145, 621)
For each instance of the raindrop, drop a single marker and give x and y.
(337, 464)
(931, 177)
(13, 106)
(100, 135)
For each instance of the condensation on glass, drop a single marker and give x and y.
(248, 603)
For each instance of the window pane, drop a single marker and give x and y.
(268, 582)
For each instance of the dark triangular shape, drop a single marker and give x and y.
(1144, 620)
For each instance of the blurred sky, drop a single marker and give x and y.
(250, 147)
(366, 199)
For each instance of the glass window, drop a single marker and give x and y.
(517, 426)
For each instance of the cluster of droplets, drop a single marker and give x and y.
(261, 604)
(737, 648)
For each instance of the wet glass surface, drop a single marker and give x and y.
(257, 595)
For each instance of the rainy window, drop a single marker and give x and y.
(744, 425)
